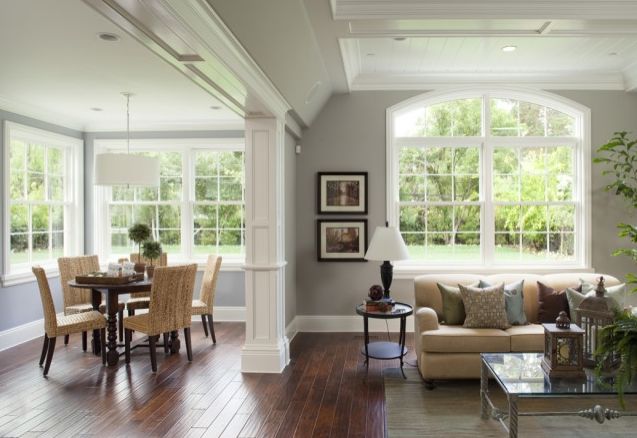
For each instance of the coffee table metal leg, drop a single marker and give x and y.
(513, 416)
(484, 392)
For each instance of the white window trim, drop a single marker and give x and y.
(186, 145)
(73, 232)
(582, 115)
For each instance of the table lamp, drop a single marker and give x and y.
(387, 244)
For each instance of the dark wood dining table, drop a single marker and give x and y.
(112, 292)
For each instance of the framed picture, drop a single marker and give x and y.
(342, 192)
(341, 240)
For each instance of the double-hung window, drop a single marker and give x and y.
(43, 199)
(490, 179)
(198, 208)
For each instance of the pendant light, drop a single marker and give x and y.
(114, 169)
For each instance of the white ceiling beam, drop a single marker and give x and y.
(483, 9)
(540, 80)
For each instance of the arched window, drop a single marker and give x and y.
(490, 179)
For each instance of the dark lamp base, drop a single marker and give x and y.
(386, 276)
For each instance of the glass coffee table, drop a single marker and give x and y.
(520, 376)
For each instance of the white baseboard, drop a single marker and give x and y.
(22, 333)
(228, 313)
(291, 329)
(345, 323)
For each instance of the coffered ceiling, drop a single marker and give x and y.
(410, 44)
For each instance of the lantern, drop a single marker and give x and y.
(563, 349)
(594, 313)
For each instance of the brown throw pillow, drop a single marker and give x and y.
(551, 303)
(485, 307)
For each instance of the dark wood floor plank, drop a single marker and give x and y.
(325, 391)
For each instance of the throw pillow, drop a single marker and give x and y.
(575, 298)
(551, 303)
(617, 292)
(485, 307)
(452, 308)
(513, 301)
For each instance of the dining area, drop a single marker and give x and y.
(110, 308)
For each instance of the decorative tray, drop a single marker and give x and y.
(102, 278)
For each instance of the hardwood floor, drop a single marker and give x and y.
(326, 391)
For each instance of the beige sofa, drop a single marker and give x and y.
(453, 352)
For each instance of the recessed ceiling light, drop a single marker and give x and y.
(107, 36)
(509, 48)
(215, 107)
(371, 54)
(400, 39)
(613, 54)
(96, 109)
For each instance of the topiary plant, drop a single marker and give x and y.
(620, 155)
(139, 233)
(152, 250)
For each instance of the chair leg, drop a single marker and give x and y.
(120, 321)
(66, 339)
(103, 344)
(84, 341)
(212, 329)
(188, 344)
(153, 353)
(49, 356)
(131, 312)
(205, 326)
(45, 345)
(165, 339)
(127, 338)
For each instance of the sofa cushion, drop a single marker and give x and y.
(457, 339)
(485, 307)
(526, 337)
(615, 294)
(453, 312)
(513, 301)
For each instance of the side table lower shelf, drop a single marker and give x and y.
(384, 350)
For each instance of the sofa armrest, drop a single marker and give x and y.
(426, 319)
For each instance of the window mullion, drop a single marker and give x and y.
(487, 226)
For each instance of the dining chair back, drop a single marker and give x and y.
(135, 258)
(209, 281)
(170, 298)
(48, 308)
(70, 267)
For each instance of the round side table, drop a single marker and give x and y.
(385, 350)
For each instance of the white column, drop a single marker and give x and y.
(266, 348)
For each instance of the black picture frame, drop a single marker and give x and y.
(342, 187)
(326, 253)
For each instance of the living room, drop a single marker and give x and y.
(469, 128)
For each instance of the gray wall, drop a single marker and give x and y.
(349, 135)
(21, 303)
(290, 228)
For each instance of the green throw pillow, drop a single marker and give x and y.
(452, 306)
(617, 295)
(513, 301)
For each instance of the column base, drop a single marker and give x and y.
(258, 358)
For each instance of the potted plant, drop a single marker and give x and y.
(619, 339)
(139, 233)
(152, 251)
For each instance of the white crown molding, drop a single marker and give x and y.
(539, 80)
(33, 112)
(350, 55)
(485, 9)
(630, 77)
(209, 125)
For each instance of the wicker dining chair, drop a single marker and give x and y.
(78, 300)
(204, 305)
(55, 326)
(169, 310)
(141, 300)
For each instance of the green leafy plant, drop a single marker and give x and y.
(152, 250)
(620, 156)
(619, 338)
(139, 233)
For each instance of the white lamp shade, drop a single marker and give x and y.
(125, 169)
(387, 244)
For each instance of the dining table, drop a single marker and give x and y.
(111, 293)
